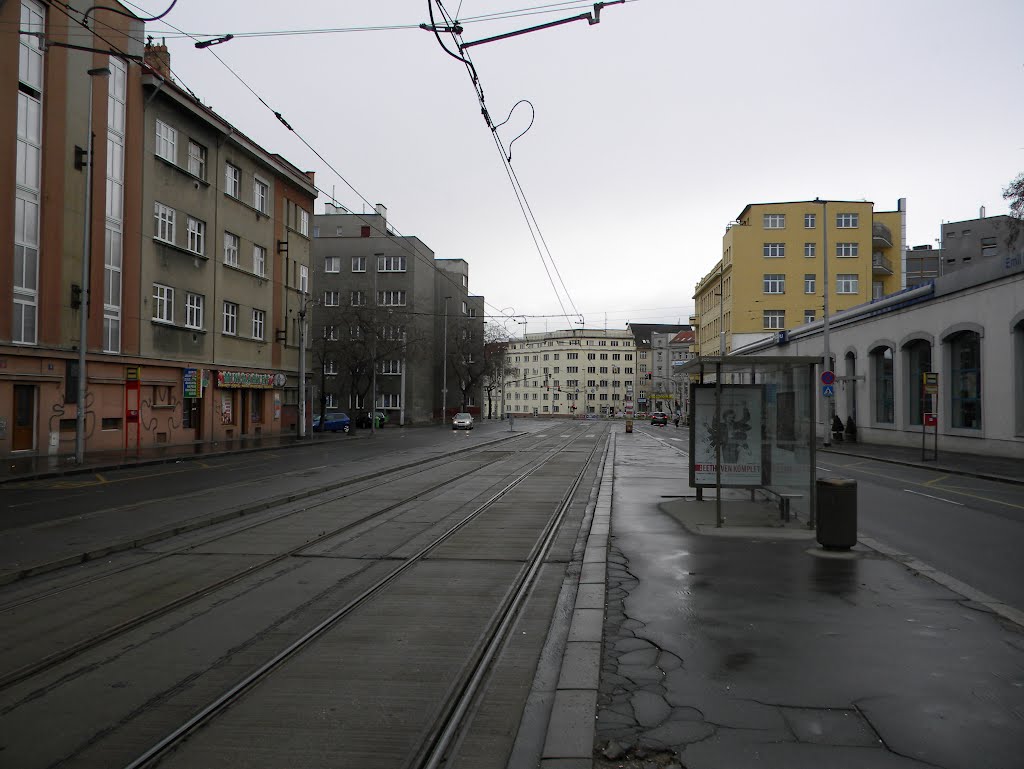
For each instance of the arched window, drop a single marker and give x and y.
(851, 386)
(965, 379)
(918, 361)
(882, 385)
(1017, 392)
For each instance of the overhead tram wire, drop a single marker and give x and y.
(521, 198)
(411, 251)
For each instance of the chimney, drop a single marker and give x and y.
(382, 212)
(158, 58)
(981, 213)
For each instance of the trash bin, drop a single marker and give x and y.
(629, 425)
(837, 513)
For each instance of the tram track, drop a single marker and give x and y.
(68, 652)
(439, 737)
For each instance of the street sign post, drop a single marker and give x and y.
(828, 390)
(828, 377)
(930, 392)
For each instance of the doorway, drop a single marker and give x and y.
(23, 437)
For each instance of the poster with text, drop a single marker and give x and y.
(738, 433)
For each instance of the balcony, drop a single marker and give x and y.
(881, 236)
(880, 265)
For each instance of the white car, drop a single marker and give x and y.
(462, 421)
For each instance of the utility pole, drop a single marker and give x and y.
(444, 366)
(828, 354)
(83, 309)
(373, 355)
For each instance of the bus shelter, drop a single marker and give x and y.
(753, 426)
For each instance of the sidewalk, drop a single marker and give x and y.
(760, 649)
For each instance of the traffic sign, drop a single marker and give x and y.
(828, 378)
(828, 390)
(930, 380)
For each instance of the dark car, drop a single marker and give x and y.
(363, 420)
(659, 418)
(332, 421)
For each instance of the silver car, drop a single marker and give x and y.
(462, 421)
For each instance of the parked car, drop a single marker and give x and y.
(462, 421)
(363, 420)
(659, 418)
(332, 421)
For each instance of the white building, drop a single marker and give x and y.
(565, 373)
(968, 327)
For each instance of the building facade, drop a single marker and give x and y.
(388, 313)
(162, 364)
(570, 373)
(656, 388)
(771, 274)
(966, 327)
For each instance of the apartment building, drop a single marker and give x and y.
(147, 219)
(569, 373)
(771, 275)
(393, 325)
(973, 241)
(655, 388)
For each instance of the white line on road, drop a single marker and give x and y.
(941, 499)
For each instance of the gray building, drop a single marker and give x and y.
(972, 241)
(384, 306)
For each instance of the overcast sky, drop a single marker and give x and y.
(653, 129)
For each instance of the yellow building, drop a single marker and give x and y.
(772, 271)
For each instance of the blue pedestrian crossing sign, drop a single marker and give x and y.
(828, 390)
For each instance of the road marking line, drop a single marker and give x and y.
(935, 480)
(941, 499)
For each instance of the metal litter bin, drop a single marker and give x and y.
(629, 425)
(837, 513)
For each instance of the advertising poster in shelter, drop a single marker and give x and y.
(739, 433)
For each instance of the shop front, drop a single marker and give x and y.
(246, 404)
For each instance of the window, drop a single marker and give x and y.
(465, 281)
(919, 361)
(394, 401)
(774, 249)
(259, 319)
(808, 316)
(231, 249)
(230, 318)
(810, 221)
(390, 264)
(391, 367)
(394, 333)
(572, 356)
(164, 222)
(304, 222)
(331, 401)
(331, 299)
(232, 180)
(259, 260)
(260, 194)
(847, 249)
(391, 298)
(197, 159)
(332, 264)
(465, 311)
(331, 333)
(988, 247)
(810, 284)
(196, 235)
(163, 303)
(847, 284)
(304, 279)
(166, 142)
(194, 310)
(881, 361)
(358, 299)
(774, 221)
(847, 221)
(775, 284)
(775, 319)
(358, 264)
(810, 249)
(331, 368)
(965, 380)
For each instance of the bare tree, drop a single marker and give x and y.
(496, 368)
(466, 356)
(1014, 193)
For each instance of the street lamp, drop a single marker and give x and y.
(83, 320)
(444, 366)
(824, 326)
(304, 303)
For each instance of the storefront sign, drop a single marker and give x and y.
(133, 373)
(192, 383)
(255, 379)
